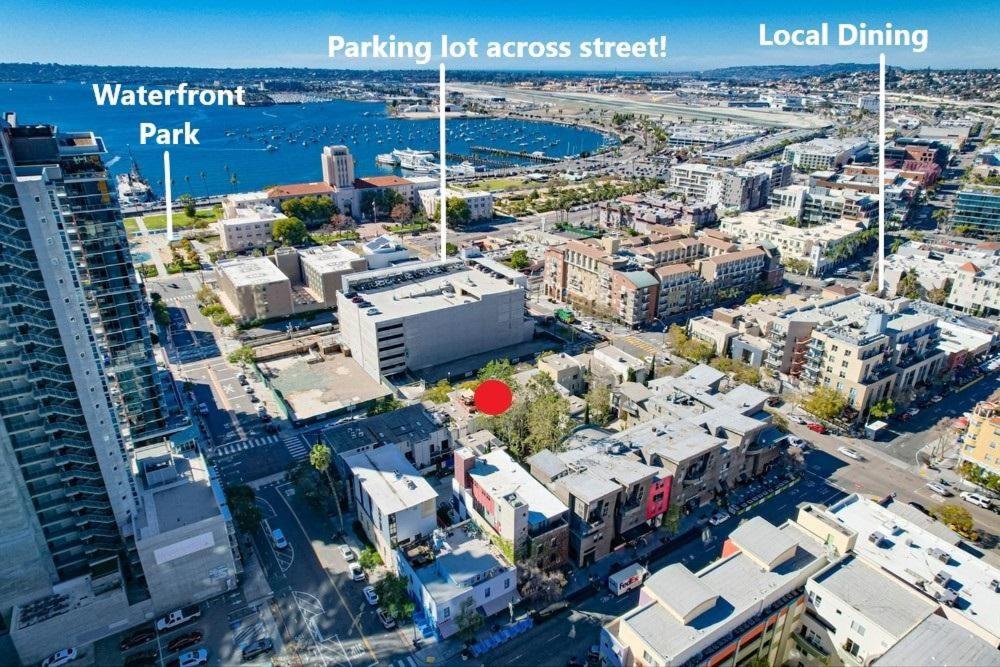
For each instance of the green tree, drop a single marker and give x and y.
(519, 259)
(243, 355)
(369, 559)
(289, 231)
(469, 622)
(187, 202)
(537, 420)
(394, 596)
(939, 295)
(598, 403)
(320, 458)
(825, 403)
(457, 209)
(672, 519)
(313, 211)
(883, 409)
(450, 249)
(497, 369)
(909, 285)
(955, 517)
(242, 504)
(383, 405)
(439, 392)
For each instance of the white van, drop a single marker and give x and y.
(629, 577)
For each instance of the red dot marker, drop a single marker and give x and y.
(493, 397)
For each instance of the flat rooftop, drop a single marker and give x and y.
(503, 476)
(390, 480)
(461, 560)
(176, 489)
(411, 423)
(327, 259)
(914, 564)
(417, 288)
(313, 386)
(736, 587)
(249, 271)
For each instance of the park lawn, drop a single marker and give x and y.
(497, 184)
(131, 226)
(181, 220)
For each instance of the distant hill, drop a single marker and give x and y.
(766, 72)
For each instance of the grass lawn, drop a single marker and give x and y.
(131, 226)
(181, 220)
(497, 184)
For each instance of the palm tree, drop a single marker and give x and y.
(234, 180)
(319, 457)
(204, 183)
(187, 182)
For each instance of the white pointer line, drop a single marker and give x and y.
(166, 188)
(442, 149)
(881, 171)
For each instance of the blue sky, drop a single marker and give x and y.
(294, 34)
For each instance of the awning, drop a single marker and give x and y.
(497, 604)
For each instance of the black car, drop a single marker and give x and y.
(184, 641)
(259, 647)
(137, 638)
(144, 659)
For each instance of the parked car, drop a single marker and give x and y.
(257, 648)
(818, 428)
(938, 489)
(202, 409)
(347, 552)
(357, 574)
(913, 412)
(371, 596)
(178, 617)
(719, 517)
(799, 420)
(242, 378)
(387, 620)
(248, 389)
(194, 658)
(137, 638)
(278, 538)
(976, 499)
(184, 641)
(59, 658)
(849, 453)
(796, 441)
(937, 398)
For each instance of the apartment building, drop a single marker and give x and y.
(253, 288)
(502, 497)
(607, 279)
(981, 443)
(977, 209)
(779, 173)
(80, 397)
(456, 573)
(743, 607)
(649, 213)
(610, 494)
(566, 371)
(480, 203)
(813, 205)
(824, 153)
(421, 436)
(247, 227)
(692, 179)
(969, 275)
(739, 189)
(396, 506)
(419, 315)
(321, 270)
(811, 245)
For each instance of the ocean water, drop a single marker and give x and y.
(233, 139)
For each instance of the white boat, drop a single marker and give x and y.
(387, 158)
(270, 148)
(419, 161)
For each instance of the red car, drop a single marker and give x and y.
(818, 428)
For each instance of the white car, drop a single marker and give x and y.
(849, 453)
(913, 412)
(194, 658)
(719, 517)
(347, 552)
(796, 441)
(59, 658)
(278, 538)
(371, 596)
(357, 574)
(976, 499)
(387, 620)
(938, 489)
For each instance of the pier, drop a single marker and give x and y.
(522, 155)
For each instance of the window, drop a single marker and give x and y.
(857, 627)
(446, 612)
(487, 591)
(506, 585)
(852, 648)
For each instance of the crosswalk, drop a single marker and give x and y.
(295, 446)
(180, 298)
(292, 441)
(243, 445)
(643, 345)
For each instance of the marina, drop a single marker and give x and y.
(248, 148)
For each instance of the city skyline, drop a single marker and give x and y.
(698, 38)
